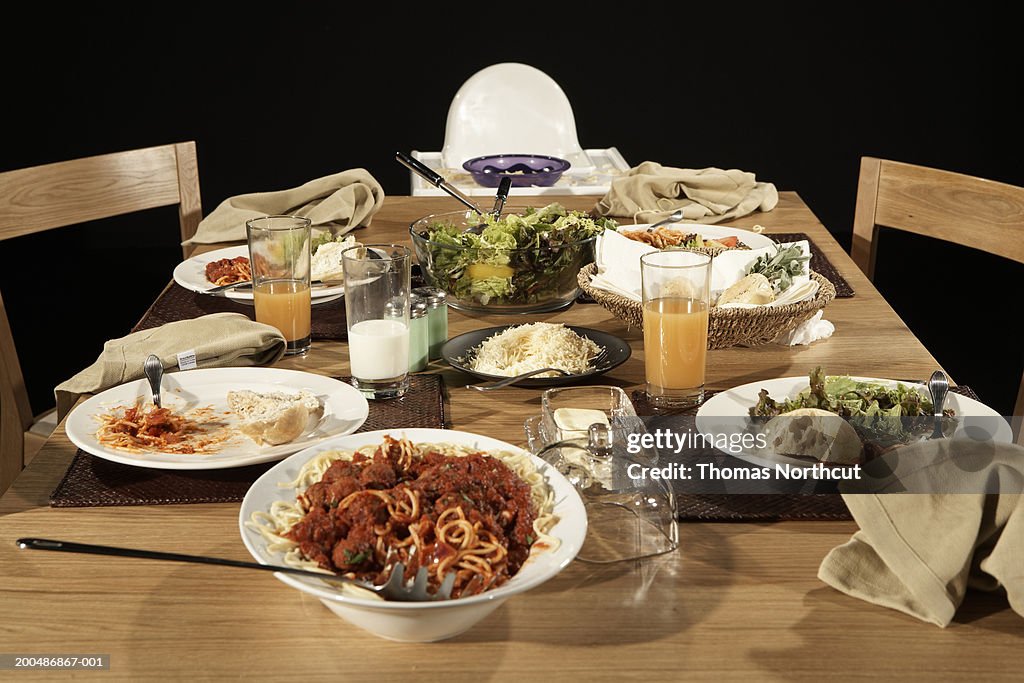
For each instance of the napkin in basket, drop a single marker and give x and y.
(219, 340)
(959, 526)
(651, 191)
(618, 271)
(342, 201)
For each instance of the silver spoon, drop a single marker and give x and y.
(673, 217)
(154, 371)
(594, 363)
(512, 380)
(938, 387)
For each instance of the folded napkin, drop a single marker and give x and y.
(960, 525)
(342, 201)
(651, 191)
(218, 340)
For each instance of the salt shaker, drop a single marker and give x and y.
(419, 334)
(437, 316)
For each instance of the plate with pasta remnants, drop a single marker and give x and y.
(216, 418)
(231, 264)
(496, 353)
(501, 520)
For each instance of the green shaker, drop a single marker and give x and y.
(437, 317)
(419, 334)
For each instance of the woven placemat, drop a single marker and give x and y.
(177, 303)
(819, 262)
(737, 506)
(92, 481)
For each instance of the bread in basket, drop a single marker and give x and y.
(726, 326)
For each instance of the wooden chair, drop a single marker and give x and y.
(67, 193)
(961, 209)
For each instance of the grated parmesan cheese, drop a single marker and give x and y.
(533, 346)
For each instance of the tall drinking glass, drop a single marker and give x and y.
(377, 290)
(676, 298)
(279, 255)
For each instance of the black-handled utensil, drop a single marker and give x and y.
(436, 180)
(394, 589)
(502, 197)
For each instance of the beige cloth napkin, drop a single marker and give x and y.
(651, 191)
(919, 552)
(219, 340)
(342, 201)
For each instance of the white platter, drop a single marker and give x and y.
(191, 274)
(345, 410)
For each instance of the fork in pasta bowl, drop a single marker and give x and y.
(443, 503)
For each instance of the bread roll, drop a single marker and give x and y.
(275, 418)
(753, 289)
(815, 433)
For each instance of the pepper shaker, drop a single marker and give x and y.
(419, 334)
(437, 314)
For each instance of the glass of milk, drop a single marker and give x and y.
(377, 290)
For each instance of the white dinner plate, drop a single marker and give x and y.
(570, 530)
(191, 274)
(727, 412)
(754, 240)
(345, 410)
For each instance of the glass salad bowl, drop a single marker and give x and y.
(525, 262)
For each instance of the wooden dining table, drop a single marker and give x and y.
(735, 601)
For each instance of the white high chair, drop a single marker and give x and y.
(512, 108)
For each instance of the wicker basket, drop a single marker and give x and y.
(726, 326)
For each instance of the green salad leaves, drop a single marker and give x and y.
(516, 259)
(880, 413)
(781, 267)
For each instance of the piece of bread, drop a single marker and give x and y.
(815, 433)
(753, 289)
(277, 417)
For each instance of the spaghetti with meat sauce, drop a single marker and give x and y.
(137, 430)
(446, 508)
(227, 271)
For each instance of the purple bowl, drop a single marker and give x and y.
(525, 170)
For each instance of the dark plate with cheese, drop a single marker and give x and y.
(462, 353)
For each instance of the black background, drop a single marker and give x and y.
(274, 100)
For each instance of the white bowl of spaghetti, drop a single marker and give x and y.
(455, 501)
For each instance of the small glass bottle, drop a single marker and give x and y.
(419, 334)
(437, 321)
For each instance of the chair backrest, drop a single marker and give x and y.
(965, 210)
(67, 193)
(511, 108)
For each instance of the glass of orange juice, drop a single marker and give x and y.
(676, 298)
(279, 258)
